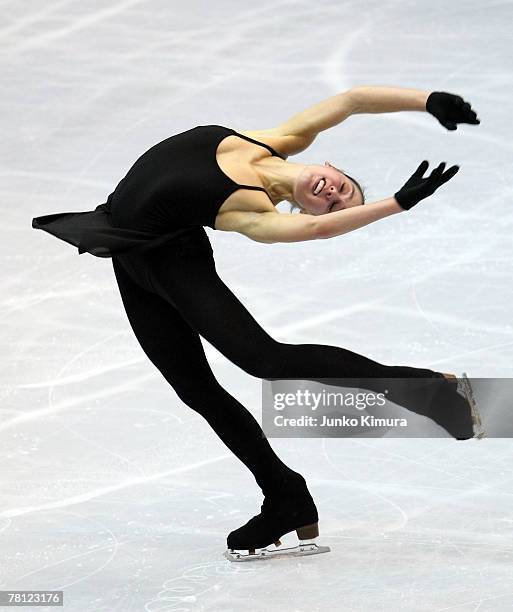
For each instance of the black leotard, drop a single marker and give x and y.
(174, 186)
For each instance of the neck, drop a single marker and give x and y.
(278, 177)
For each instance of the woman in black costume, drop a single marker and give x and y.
(152, 228)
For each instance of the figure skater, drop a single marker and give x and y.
(152, 227)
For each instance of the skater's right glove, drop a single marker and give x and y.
(417, 187)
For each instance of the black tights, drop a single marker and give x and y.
(172, 295)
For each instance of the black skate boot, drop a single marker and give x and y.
(289, 507)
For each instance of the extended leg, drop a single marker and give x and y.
(212, 309)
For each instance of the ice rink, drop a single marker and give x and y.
(113, 490)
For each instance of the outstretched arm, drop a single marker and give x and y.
(273, 227)
(299, 131)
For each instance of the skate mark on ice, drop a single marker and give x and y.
(95, 493)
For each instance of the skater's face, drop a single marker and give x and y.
(337, 191)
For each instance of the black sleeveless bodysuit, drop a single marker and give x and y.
(174, 186)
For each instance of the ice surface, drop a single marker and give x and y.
(111, 488)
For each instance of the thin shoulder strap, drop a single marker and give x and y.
(262, 144)
(252, 187)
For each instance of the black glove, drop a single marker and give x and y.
(417, 188)
(450, 109)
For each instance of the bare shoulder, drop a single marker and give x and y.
(280, 140)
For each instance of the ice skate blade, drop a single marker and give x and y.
(302, 549)
(466, 391)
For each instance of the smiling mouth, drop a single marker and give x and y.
(316, 190)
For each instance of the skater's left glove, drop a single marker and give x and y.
(450, 110)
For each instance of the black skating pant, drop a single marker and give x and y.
(172, 295)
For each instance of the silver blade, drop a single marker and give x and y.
(302, 549)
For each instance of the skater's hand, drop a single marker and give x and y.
(450, 110)
(417, 187)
